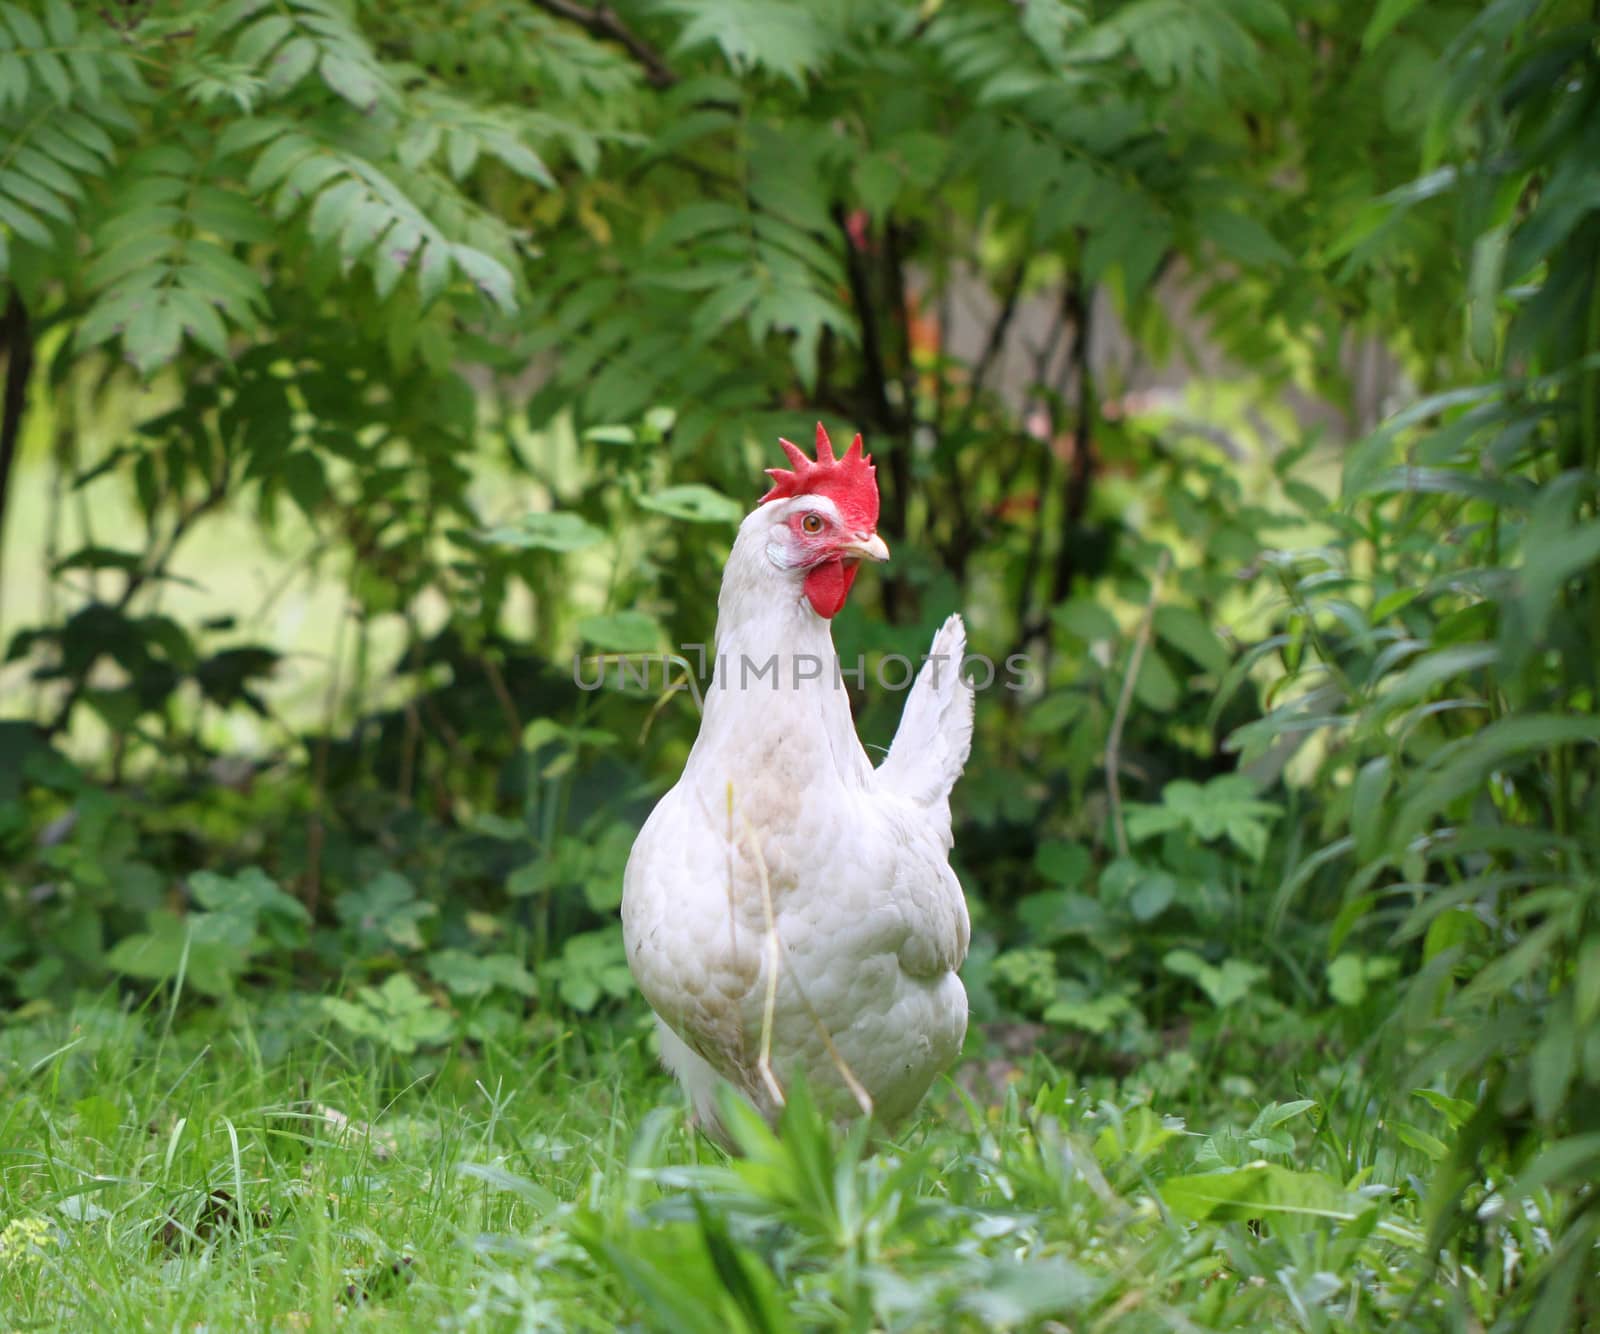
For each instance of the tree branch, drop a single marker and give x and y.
(1080, 476)
(877, 378)
(900, 324)
(1029, 623)
(16, 337)
(605, 23)
(875, 391)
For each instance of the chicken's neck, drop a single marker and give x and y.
(775, 690)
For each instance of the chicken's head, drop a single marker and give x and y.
(824, 520)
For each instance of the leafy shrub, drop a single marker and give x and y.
(485, 316)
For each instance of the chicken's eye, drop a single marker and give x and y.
(812, 523)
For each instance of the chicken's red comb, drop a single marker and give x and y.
(851, 482)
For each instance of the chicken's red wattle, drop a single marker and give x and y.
(828, 585)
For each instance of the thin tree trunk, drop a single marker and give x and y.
(16, 337)
(1080, 475)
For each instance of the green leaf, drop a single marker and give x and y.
(1456, 1111)
(306, 480)
(1225, 985)
(1055, 712)
(363, 229)
(622, 632)
(1421, 1140)
(23, 223)
(695, 503)
(612, 435)
(1347, 979)
(1243, 238)
(355, 81)
(877, 182)
(1093, 1014)
(1192, 635)
(1483, 292)
(553, 531)
(1152, 897)
(251, 891)
(592, 968)
(334, 208)
(397, 1015)
(1554, 1062)
(1586, 983)
(433, 270)
(1384, 19)
(152, 335)
(1259, 1191)
(394, 256)
(290, 64)
(1065, 864)
(1571, 1160)
(385, 911)
(1465, 765)
(209, 950)
(1368, 814)
(1156, 687)
(787, 39)
(474, 975)
(488, 275)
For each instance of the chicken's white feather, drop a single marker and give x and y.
(931, 745)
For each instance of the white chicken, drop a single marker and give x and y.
(788, 908)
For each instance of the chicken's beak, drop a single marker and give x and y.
(871, 547)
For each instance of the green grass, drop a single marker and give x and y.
(248, 1169)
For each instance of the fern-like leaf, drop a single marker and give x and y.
(164, 266)
(361, 212)
(278, 44)
(439, 122)
(61, 103)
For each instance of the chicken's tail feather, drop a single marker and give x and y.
(935, 734)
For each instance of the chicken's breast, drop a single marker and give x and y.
(851, 897)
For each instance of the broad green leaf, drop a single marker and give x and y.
(1226, 984)
(353, 80)
(1243, 238)
(1056, 712)
(306, 480)
(1192, 635)
(1347, 979)
(694, 502)
(551, 531)
(622, 632)
(1259, 1191)
(612, 435)
(476, 975)
(1384, 19)
(1066, 864)
(1156, 688)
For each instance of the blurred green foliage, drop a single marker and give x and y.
(1311, 753)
